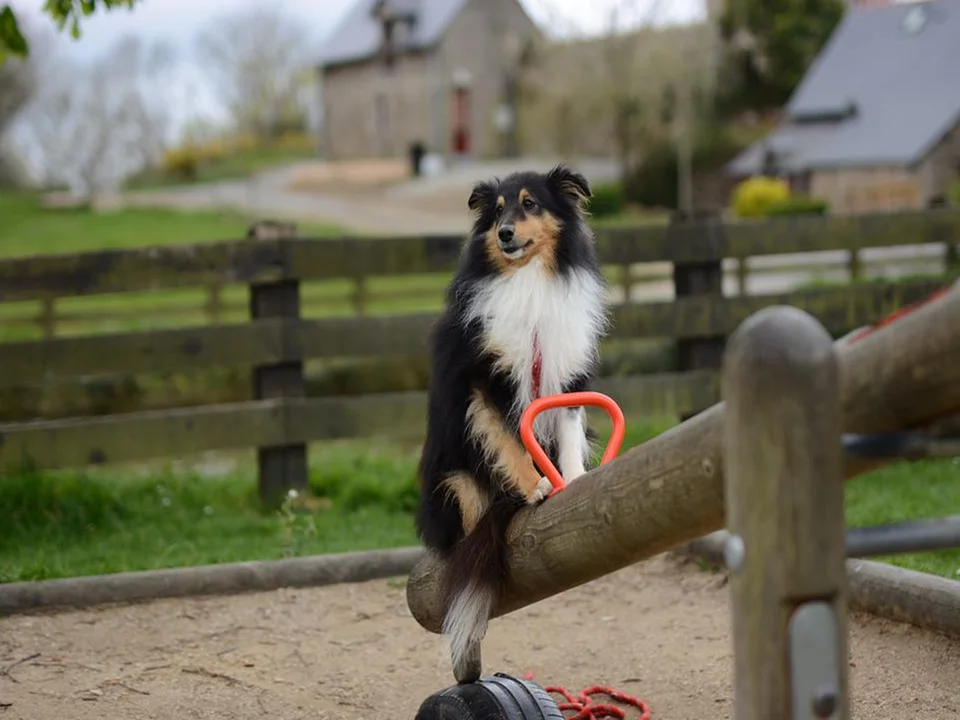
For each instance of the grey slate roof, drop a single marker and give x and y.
(359, 35)
(905, 88)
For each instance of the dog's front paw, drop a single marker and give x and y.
(574, 474)
(544, 488)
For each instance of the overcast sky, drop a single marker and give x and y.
(178, 21)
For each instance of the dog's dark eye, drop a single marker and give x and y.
(528, 204)
(499, 210)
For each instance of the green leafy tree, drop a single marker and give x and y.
(769, 46)
(65, 13)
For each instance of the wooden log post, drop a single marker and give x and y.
(670, 490)
(702, 228)
(280, 467)
(784, 509)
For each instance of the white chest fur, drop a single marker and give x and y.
(566, 315)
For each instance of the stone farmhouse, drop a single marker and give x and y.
(442, 73)
(875, 123)
(478, 78)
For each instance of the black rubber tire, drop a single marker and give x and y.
(492, 697)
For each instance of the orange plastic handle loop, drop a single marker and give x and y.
(569, 400)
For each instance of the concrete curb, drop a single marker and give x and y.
(926, 601)
(225, 579)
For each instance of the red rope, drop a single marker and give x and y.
(584, 708)
(897, 314)
(537, 370)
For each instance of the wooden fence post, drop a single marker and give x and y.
(626, 281)
(944, 234)
(743, 275)
(48, 317)
(854, 265)
(951, 255)
(361, 295)
(214, 306)
(704, 277)
(281, 467)
(784, 509)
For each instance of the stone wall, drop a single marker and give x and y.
(874, 189)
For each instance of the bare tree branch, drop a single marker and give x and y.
(256, 58)
(94, 126)
(619, 89)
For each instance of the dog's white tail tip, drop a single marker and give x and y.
(465, 625)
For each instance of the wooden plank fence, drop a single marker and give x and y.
(280, 418)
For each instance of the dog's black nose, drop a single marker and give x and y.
(505, 234)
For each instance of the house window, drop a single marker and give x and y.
(799, 182)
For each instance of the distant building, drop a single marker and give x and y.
(438, 72)
(875, 123)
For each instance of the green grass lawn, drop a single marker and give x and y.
(27, 228)
(631, 218)
(235, 166)
(68, 523)
(108, 520)
(909, 491)
(363, 496)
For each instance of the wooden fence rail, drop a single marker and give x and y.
(280, 419)
(219, 303)
(303, 259)
(286, 339)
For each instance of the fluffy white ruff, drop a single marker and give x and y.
(466, 623)
(568, 317)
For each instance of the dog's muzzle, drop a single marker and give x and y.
(510, 244)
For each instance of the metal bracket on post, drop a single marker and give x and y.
(814, 635)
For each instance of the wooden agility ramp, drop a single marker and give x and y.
(781, 370)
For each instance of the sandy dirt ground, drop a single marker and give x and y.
(658, 630)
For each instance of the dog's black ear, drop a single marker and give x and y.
(570, 184)
(483, 194)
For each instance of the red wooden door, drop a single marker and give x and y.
(461, 120)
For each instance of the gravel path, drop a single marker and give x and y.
(658, 630)
(425, 205)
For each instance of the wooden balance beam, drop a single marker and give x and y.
(670, 490)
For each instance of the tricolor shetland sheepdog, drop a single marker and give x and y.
(524, 317)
